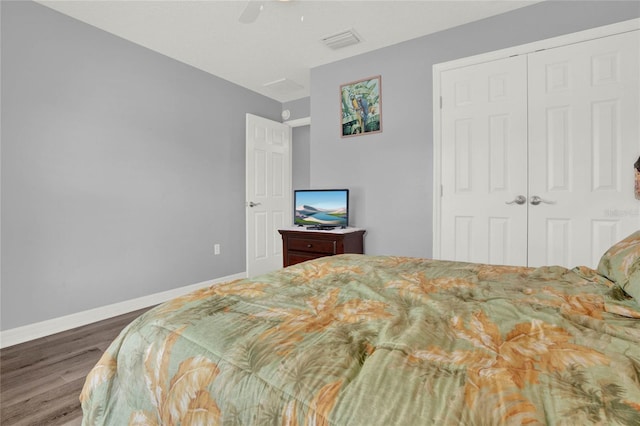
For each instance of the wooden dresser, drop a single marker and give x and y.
(300, 244)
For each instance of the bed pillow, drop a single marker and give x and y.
(621, 264)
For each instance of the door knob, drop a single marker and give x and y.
(535, 200)
(520, 199)
(252, 204)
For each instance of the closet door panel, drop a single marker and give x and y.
(583, 140)
(484, 151)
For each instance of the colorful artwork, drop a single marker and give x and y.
(361, 107)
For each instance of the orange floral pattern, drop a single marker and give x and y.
(375, 340)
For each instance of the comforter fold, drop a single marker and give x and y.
(379, 340)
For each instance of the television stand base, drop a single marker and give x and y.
(321, 227)
(300, 245)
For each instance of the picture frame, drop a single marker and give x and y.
(361, 107)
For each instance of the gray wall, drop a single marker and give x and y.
(120, 168)
(390, 173)
(300, 108)
(300, 147)
(301, 157)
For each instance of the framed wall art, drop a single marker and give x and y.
(361, 107)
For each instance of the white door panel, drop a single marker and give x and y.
(560, 127)
(583, 141)
(484, 138)
(268, 181)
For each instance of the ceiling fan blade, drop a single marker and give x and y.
(251, 11)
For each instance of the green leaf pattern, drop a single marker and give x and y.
(379, 340)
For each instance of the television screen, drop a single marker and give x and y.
(322, 208)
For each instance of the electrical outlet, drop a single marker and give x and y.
(216, 249)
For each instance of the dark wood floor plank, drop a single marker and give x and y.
(55, 365)
(19, 392)
(52, 407)
(41, 380)
(47, 352)
(60, 344)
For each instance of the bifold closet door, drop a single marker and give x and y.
(583, 140)
(484, 163)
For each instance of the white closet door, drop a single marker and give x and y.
(583, 140)
(484, 149)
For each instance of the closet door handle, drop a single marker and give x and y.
(535, 200)
(520, 199)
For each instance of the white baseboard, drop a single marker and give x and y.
(37, 330)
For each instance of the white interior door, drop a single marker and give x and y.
(483, 212)
(268, 192)
(583, 140)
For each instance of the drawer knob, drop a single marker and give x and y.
(309, 245)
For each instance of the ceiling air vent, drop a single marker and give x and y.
(341, 39)
(283, 86)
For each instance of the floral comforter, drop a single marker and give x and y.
(374, 340)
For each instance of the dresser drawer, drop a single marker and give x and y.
(299, 245)
(312, 245)
(293, 258)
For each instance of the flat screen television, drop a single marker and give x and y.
(321, 208)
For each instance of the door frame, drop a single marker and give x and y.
(563, 40)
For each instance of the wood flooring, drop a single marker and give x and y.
(41, 380)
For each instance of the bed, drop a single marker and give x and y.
(383, 340)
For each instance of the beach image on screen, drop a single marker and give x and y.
(321, 208)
